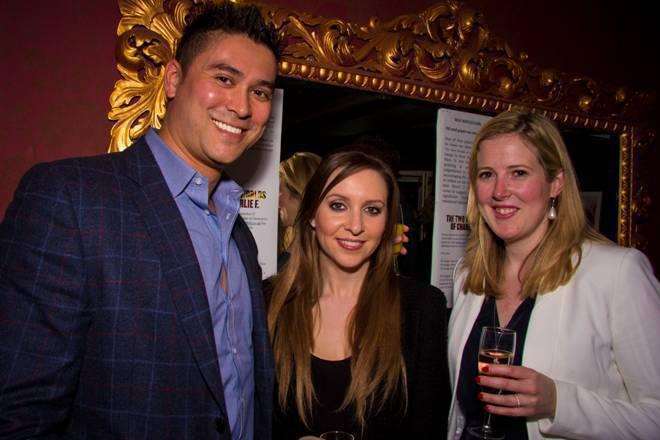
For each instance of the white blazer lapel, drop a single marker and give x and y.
(543, 331)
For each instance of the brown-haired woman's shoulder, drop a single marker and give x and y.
(424, 310)
(417, 294)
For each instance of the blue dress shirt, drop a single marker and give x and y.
(231, 310)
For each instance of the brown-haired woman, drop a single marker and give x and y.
(357, 348)
(586, 312)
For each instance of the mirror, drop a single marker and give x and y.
(387, 79)
(406, 130)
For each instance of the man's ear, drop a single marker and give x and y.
(172, 78)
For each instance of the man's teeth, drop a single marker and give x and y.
(505, 210)
(227, 127)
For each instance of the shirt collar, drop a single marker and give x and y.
(176, 172)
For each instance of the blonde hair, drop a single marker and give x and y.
(554, 260)
(295, 172)
(374, 326)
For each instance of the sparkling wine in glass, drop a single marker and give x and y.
(496, 346)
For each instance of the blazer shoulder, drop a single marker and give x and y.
(610, 256)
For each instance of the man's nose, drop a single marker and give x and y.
(239, 103)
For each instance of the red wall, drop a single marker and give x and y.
(57, 74)
(58, 62)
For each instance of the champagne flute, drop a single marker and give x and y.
(496, 346)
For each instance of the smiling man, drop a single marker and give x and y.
(130, 291)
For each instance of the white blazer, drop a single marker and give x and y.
(597, 337)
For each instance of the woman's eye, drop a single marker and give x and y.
(484, 175)
(337, 206)
(519, 173)
(373, 210)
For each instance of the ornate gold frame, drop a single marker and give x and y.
(445, 54)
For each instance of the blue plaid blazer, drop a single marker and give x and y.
(105, 329)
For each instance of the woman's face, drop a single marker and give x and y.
(513, 192)
(350, 221)
(289, 203)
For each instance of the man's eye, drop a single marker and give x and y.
(223, 79)
(262, 95)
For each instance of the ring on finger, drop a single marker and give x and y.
(517, 400)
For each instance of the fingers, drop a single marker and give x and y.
(516, 405)
(513, 371)
(503, 383)
(403, 238)
(526, 392)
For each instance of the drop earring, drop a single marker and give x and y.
(552, 212)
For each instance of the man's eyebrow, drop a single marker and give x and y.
(234, 71)
(265, 83)
(226, 67)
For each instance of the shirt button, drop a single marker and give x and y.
(227, 216)
(198, 180)
(207, 212)
(234, 350)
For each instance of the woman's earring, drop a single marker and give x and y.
(552, 213)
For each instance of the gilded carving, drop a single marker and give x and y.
(445, 54)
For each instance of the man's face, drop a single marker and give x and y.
(221, 105)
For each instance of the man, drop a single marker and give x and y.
(130, 292)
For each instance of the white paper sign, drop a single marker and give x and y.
(257, 171)
(455, 132)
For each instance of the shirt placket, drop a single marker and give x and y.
(227, 221)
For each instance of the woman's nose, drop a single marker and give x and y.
(355, 223)
(501, 189)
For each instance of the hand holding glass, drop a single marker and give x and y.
(496, 346)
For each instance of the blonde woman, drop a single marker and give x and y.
(295, 172)
(586, 312)
(357, 348)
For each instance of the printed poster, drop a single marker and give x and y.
(257, 171)
(455, 131)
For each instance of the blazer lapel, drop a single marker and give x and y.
(544, 327)
(264, 364)
(181, 270)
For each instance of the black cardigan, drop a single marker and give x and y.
(425, 353)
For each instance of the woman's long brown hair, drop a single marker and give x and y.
(374, 326)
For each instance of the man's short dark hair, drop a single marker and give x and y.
(228, 18)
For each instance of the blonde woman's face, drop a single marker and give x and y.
(513, 193)
(350, 221)
(289, 204)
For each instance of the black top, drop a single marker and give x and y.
(331, 380)
(424, 334)
(513, 427)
